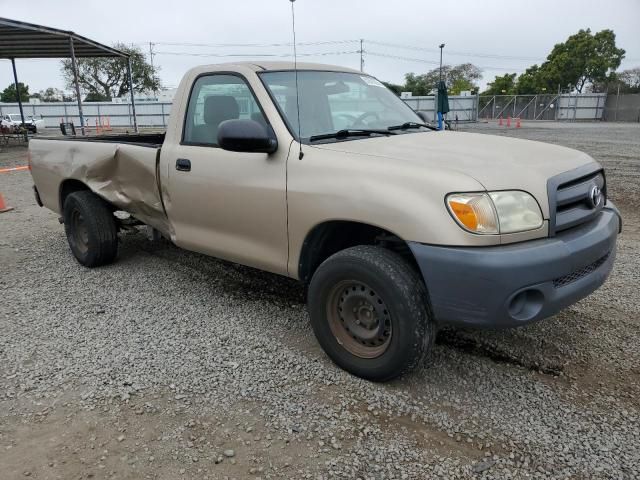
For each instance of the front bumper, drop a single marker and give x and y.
(515, 284)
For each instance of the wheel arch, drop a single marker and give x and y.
(332, 236)
(67, 187)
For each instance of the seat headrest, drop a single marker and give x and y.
(218, 108)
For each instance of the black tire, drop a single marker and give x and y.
(91, 229)
(397, 298)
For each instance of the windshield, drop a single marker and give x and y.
(334, 101)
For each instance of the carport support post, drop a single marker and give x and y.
(75, 81)
(133, 103)
(15, 82)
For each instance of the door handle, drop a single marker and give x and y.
(183, 165)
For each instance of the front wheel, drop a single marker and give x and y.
(370, 313)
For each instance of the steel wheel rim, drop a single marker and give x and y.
(80, 232)
(359, 319)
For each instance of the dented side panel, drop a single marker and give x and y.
(122, 174)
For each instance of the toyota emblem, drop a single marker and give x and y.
(595, 196)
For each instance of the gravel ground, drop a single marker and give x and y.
(170, 365)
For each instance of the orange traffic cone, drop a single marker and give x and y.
(518, 122)
(509, 121)
(3, 206)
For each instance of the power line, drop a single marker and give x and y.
(342, 42)
(253, 55)
(361, 51)
(455, 52)
(399, 57)
(356, 42)
(254, 45)
(318, 54)
(430, 62)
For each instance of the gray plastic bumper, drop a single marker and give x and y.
(511, 285)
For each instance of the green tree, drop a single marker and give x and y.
(630, 80)
(502, 85)
(395, 88)
(52, 94)
(461, 85)
(463, 77)
(584, 58)
(96, 97)
(107, 77)
(458, 78)
(9, 93)
(627, 81)
(416, 84)
(530, 82)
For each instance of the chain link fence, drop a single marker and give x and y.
(470, 108)
(622, 108)
(543, 106)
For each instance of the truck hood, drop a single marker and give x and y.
(496, 162)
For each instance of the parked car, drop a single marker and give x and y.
(32, 123)
(396, 229)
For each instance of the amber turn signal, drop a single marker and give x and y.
(474, 212)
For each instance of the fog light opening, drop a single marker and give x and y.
(526, 304)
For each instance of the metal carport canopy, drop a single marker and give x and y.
(27, 40)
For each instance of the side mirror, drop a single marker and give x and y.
(423, 117)
(246, 136)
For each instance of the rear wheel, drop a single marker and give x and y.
(370, 313)
(91, 229)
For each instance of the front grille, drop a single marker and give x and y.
(571, 200)
(578, 274)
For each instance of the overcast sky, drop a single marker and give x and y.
(498, 36)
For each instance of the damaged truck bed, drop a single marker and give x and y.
(122, 169)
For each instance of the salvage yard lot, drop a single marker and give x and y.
(168, 364)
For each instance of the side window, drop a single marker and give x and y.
(215, 99)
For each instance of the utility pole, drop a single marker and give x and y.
(151, 61)
(441, 47)
(151, 53)
(133, 102)
(361, 55)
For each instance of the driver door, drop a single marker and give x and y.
(229, 205)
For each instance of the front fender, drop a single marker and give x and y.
(408, 201)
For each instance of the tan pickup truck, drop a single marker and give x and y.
(396, 228)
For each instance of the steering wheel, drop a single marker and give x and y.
(346, 119)
(360, 120)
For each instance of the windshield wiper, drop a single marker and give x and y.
(408, 125)
(350, 132)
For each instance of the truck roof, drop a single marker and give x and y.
(261, 66)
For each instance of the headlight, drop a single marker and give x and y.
(495, 212)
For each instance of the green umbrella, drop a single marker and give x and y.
(443, 98)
